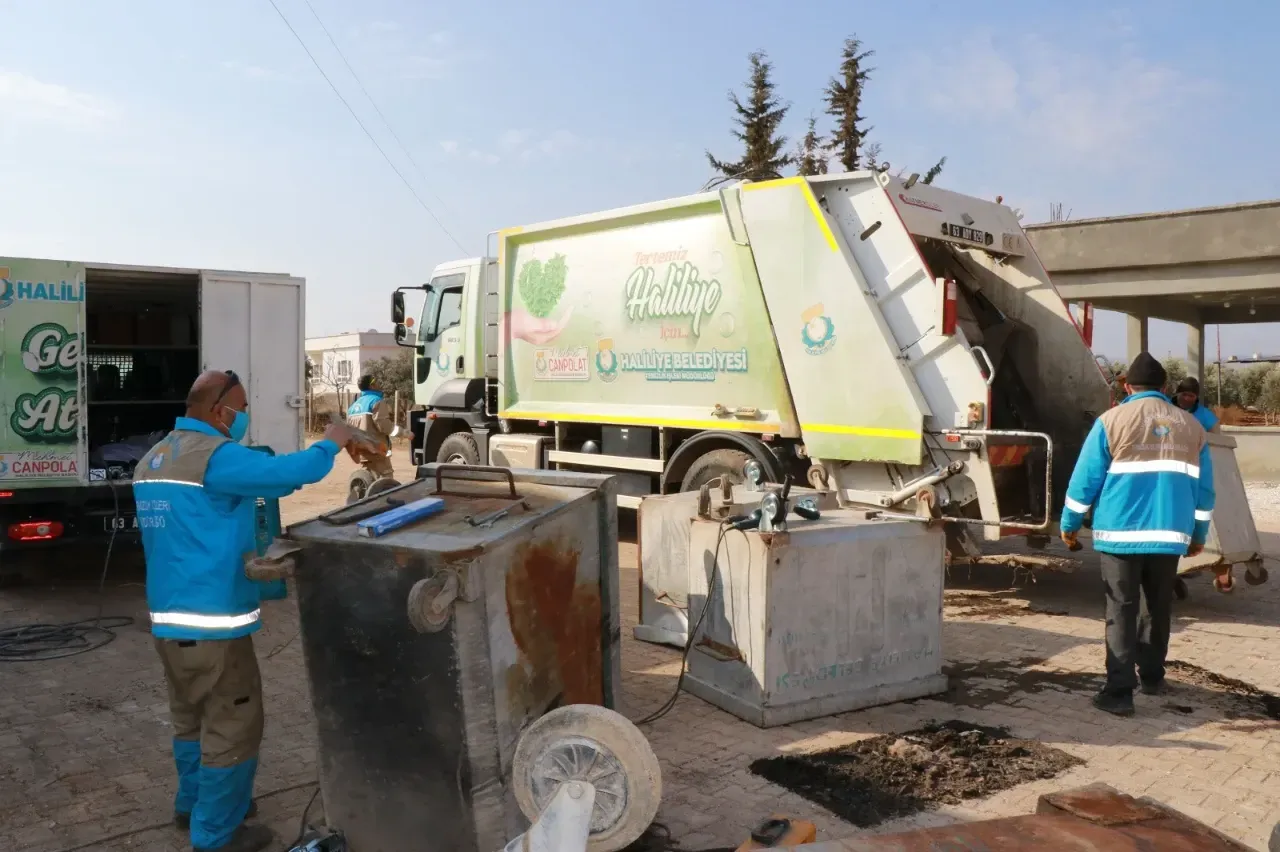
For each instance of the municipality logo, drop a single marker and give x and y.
(6, 288)
(156, 461)
(1162, 428)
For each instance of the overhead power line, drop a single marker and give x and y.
(375, 106)
(372, 138)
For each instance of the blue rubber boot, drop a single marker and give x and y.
(225, 795)
(186, 754)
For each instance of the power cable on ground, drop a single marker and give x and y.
(693, 631)
(360, 122)
(37, 642)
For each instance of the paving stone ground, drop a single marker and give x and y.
(84, 760)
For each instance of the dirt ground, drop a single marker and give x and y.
(898, 775)
(85, 762)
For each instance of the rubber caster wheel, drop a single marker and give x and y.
(1256, 578)
(1224, 583)
(358, 486)
(1180, 589)
(583, 742)
(378, 486)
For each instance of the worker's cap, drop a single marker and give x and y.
(1189, 385)
(1146, 372)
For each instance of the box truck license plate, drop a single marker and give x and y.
(124, 523)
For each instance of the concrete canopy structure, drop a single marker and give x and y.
(1207, 266)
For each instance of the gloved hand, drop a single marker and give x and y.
(1072, 541)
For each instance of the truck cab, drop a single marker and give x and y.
(449, 422)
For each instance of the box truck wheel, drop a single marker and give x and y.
(717, 463)
(459, 448)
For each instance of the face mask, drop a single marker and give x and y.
(239, 427)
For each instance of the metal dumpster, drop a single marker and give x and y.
(428, 649)
(1233, 536)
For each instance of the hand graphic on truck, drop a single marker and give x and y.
(536, 330)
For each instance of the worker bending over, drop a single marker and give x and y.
(1187, 396)
(371, 413)
(196, 496)
(1145, 472)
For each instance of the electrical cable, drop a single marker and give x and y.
(375, 106)
(302, 822)
(725, 525)
(360, 122)
(37, 642)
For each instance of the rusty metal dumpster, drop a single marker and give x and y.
(428, 649)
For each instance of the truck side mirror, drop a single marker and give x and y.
(402, 334)
(397, 308)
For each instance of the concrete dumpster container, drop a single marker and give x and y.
(428, 649)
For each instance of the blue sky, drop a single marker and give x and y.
(199, 134)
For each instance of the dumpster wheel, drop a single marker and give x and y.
(583, 742)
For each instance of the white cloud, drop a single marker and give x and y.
(1062, 106)
(250, 71)
(449, 146)
(382, 27)
(24, 97)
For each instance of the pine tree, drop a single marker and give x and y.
(758, 120)
(812, 154)
(844, 99)
(871, 156)
(934, 171)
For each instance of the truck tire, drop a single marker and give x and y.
(459, 448)
(715, 464)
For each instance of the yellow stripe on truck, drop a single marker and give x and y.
(722, 425)
(861, 431)
(808, 196)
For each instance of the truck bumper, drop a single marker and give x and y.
(73, 515)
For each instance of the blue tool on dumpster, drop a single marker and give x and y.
(266, 526)
(400, 516)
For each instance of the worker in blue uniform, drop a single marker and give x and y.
(1146, 475)
(1187, 397)
(196, 492)
(372, 413)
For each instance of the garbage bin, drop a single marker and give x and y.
(428, 649)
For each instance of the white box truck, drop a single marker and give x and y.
(95, 364)
(896, 343)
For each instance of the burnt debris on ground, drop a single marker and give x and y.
(897, 775)
(1247, 699)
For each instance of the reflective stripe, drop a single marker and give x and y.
(167, 482)
(210, 622)
(1155, 466)
(1133, 536)
(1202, 515)
(1076, 506)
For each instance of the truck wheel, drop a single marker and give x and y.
(713, 465)
(459, 448)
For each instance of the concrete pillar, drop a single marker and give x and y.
(1195, 350)
(1138, 340)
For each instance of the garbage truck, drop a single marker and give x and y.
(95, 364)
(894, 342)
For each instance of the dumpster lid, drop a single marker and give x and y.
(481, 504)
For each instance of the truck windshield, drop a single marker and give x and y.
(443, 307)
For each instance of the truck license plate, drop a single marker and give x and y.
(123, 523)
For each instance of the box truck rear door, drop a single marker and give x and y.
(253, 324)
